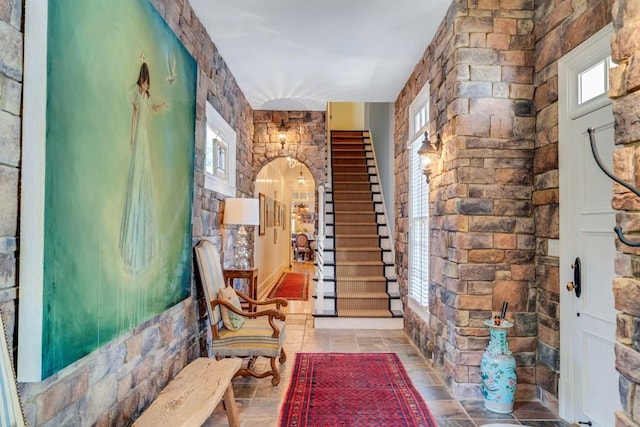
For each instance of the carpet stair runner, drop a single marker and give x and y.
(359, 273)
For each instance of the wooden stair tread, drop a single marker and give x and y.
(363, 295)
(358, 249)
(343, 223)
(349, 212)
(350, 173)
(340, 202)
(363, 263)
(363, 279)
(364, 313)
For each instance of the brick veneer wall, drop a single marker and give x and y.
(560, 26)
(625, 91)
(306, 131)
(113, 384)
(480, 68)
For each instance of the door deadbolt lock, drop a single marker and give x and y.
(576, 285)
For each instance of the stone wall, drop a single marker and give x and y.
(625, 91)
(10, 126)
(435, 67)
(483, 235)
(560, 26)
(306, 140)
(482, 56)
(116, 382)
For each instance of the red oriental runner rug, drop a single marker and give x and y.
(352, 389)
(293, 286)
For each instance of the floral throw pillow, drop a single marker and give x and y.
(231, 320)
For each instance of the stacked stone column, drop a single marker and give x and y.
(483, 231)
(625, 92)
(485, 191)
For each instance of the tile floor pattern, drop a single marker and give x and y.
(259, 402)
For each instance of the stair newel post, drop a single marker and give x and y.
(319, 255)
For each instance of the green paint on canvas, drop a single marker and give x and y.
(92, 293)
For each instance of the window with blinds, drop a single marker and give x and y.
(418, 230)
(418, 204)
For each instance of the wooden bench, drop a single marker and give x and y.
(190, 398)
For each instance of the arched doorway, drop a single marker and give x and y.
(280, 187)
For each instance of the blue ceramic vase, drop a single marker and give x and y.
(498, 370)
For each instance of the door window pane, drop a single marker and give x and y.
(593, 81)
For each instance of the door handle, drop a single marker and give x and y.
(576, 285)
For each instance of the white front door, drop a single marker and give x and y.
(588, 378)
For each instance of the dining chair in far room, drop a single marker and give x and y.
(302, 250)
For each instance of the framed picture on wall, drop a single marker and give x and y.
(268, 211)
(283, 209)
(271, 212)
(276, 216)
(261, 227)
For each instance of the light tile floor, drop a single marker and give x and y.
(259, 402)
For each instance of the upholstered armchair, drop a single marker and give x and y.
(238, 333)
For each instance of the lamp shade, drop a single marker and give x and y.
(241, 211)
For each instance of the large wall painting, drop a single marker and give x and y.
(118, 176)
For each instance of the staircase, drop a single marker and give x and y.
(358, 281)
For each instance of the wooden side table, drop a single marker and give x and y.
(251, 275)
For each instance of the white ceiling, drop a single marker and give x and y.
(301, 54)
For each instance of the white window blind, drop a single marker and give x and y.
(418, 204)
(421, 119)
(418, 230)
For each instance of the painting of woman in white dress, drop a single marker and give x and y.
(138, 232)
(120, 144)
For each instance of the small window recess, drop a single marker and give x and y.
(220, 154)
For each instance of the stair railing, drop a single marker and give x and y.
(319, 255)
(384, 205)
(329, 176)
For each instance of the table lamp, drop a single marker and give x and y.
(241, 211)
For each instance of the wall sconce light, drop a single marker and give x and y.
(282, 133)
(291, 161)
(426, 152)
(292, 157)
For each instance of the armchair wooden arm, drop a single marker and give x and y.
(279, 302)
(272, 313)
